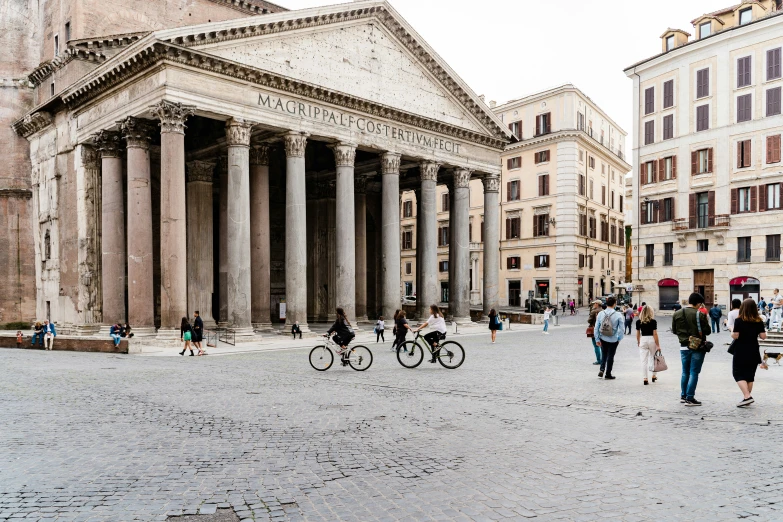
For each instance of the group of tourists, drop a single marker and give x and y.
(607, 326)
(43, 335)
(570, 303)
(118, 332)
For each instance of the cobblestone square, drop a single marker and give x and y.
(523, 430)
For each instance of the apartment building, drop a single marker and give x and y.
(707, 160)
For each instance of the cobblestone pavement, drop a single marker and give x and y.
(523, 430)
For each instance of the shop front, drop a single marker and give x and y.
(745, 287)
(668, 294)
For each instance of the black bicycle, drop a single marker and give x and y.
(450, 354)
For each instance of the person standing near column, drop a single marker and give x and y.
(547, 315)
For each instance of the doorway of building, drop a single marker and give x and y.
(590, 286)
(704, 283)
(668, 293)
(444, 291)
(515, 293)
(542, 289)
(580, 291)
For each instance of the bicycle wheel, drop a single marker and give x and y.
(359, 357)
(321, 358)
(410, 354)
(451, 355)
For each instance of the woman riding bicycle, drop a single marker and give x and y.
(437, 323)
(343, 332)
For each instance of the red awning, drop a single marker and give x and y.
(745, 280)
(668, 282)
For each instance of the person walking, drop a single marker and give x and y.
(296, 330)
(629, 315)
(379, 326)
(115, 334)
(572, 306)
(715, 314)
(608, 334)
(748, 328)
(547, 315)
(494, 322)
(49, 334)
(595, 309)
(38, 333)
(198, 332)
(563, 305)
(186, 335)
(647, 339)
(776, 302)
(401, 328)
(733, 314)
(394, 329)
(686, 323)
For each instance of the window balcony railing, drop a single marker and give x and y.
(703, 222)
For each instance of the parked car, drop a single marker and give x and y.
(409, 299)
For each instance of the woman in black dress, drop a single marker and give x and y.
(748, 327)
(494, 323)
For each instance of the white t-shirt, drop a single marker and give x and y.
(730, 321)
(379, 325)
(437, 323)
(776, 301)
(546, 315)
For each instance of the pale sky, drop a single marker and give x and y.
(506, 49)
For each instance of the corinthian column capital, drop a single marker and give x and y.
(491, 184)
(238, 132)
(259, 154)
(295, 143)
(390, 163)
(172, 116)
(137, 132)
(462, 178)
(108, 143)
(344, 154)
(429, 170)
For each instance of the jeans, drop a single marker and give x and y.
(546, 325)
(628, 324)
(607, 361)
(597, 351)
(775, 316)
(691, 367)
(116, 338)
(715, 325)
(38, 336)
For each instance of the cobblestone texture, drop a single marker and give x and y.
(523, 430)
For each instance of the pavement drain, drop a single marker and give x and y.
(220, 515)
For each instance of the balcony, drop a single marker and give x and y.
(701, 222)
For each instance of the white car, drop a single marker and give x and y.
(409, 299)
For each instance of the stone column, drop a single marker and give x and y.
(238, 238)
(420, 306)
(430, 290)
(475, 292)
(452, 252)
(491, 242)
(296, 230)
(173, 228)
(141, 300)
(113, 256)
(201, 272)
(222, 173)
(88, 220)
(344, 157)
(390, 235)
(460, 246)
(260, 247)
(360, 233)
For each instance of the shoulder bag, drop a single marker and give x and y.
(659, 363)
(699, 344)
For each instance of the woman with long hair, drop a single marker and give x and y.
(185, 334)
(438, 324)
(401, 326)
(379, 327)
(342, 329)
(494, 323)
(748, 328)
(647, 340)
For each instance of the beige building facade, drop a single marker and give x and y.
(708, 171)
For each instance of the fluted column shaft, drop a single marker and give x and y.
(420, 306)
(260, 247)
(491, 242)
(390, 234)
(360, 233)
(460, 246)
(296, 231)
(222, 172)
(113, 246)
(201, 274)
(430, 289)
(173, 227)
(344, 156)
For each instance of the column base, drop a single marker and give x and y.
(462, 321)
(244, 333)
(105, 330)
(144, 332)
(168, 334)
(87, 330)
(263, 327)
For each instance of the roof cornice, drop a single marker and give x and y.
(570, 135)
(251, 7)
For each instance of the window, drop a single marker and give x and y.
(580, 123)
(591, 162)
(773, 101)
(773, 64)
(668, 254)
(513, 263)
(590, 262)
(603, 194)
(514, 163)
(541, 261)
(513, 226)
(409, 288)
(512, 190)
(543, 124)
(702, 83)
(516, 129)
(649, 132)
(668, 166)
(47, 246)
(443, 236)
(743, 200)
(770, 200)
(407, 209)
(670, 43)
(408, 271)
(745, 16)
(470, 232)
(773, 149)
(593, 225)
(542, 156)
(583, 225)
(705, 29)
(444, 202)
(581, 156)
(649, 100)
(744, 108)
(702, 202)
(604, 233)
(611, 200)
(443, 266)
(67, 32)
(649, 255)
(581, 260)
(648, 174)
(51, 89)
(702, 117)
(602, 263)
(613, 234)
(701, 161)
(743, 250)
(702, 245)
(56, 45)
(541, 225)
(581, 184)
(743, 71)
(592, 192)
(649, 212)
(668, 127)
(482, 231)
(407, 240)
(667, 211)
(668, 94)
(773, 248)
(543, 185)
(621, 232)
(743, 154)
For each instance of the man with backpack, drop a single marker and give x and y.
(608, 333)
(715, 314)
(691, 328)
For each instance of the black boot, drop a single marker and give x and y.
(182, 352)
(191, 353)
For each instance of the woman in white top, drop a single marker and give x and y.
(438, 324)
(547, 314)
(735, 307)
(379, 329)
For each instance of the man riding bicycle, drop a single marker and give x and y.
(437, 323)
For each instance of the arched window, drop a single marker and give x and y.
(47, 246)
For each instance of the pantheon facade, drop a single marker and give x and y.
(251, 169)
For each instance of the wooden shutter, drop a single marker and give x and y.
(674, 167)
(643, 216)
(734, 201)
(540, 185)
(739, 153)
(673, 216)
(770, 148)
(709, 160)
(753, 199)
(508, 189)
(746, 149)
(546, 184)
(548, 122)
(536, 262)
(661, 168)
(538, 125)
(692, 214)
(762, 198)
(694, 162)
(508, 228)
(740, 72)
(535, 226)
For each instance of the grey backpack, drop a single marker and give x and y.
(607, 330)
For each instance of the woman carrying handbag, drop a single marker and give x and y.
(494, 324)
(649, 345)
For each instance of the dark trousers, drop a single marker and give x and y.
(432, 338)
(715, 325)
(607, 356)
(379, 335)
(39, 336)
(300, 334)
(628, 324)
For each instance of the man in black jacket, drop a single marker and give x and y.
(685, 326)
